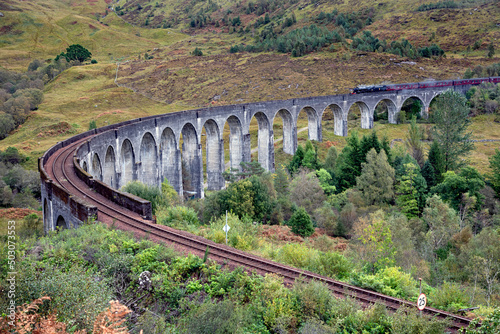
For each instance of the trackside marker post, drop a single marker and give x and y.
(226, 227)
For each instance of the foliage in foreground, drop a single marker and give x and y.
(186, 294)
(30, 320)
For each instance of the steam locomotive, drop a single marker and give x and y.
(418, 85)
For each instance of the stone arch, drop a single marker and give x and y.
(288, 139)
(109, 172)
(148, 157)
(312, 122)
(339, 125)
(127, 163)
(391, 108)
(214, 155)
(235, 142)
(85, 167)
(61, 223)
(409, 98)
(426, 111)
(192, 168)
(366, 114)
(264, 144)
(170, 162)
(96, 167)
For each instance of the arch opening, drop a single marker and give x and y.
(85, 167)
(96, 167)
(192, 167)
(109, 172)
(359, 114)
(312, 122)
(283, 132)
(428, 110)
(332, 121)
(385, 109)
(127, 162)
(170, 160)
(61, 223)
(148, 160)
(264, 150)
(214, 155)
(412, 106)
(46, 213)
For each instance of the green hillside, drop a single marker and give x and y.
(157, 62)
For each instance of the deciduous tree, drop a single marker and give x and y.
(75, 52)
(306, 191)
(455, 185)
(442, 223)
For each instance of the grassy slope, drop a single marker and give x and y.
(42, 29)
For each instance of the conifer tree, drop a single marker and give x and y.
(297, 159)
(429, 174)
(377, 178)
(406, 192)
(495, 175)
(414, 141)
(451, 118)
(436, 161)
(331, 158)
(281, 181)
(349, 162)
(301, 223)
(369, 142)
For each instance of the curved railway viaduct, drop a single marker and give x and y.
(80, 176)
(148, 149)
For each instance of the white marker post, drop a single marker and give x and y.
(226, 227)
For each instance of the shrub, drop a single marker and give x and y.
(7, 124)
(242, 233)
(197, 52)
(147, 192)
(407, 321)
(314, 299)
(177, 217)
(301, 223)
(334, 264)
(214, 318)
(92, 125)
(449, 297)
(78, 295)
(390, 281)
(297, 255)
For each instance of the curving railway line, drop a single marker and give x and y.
(60, 168)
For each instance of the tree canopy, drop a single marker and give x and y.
(451, 117)
(75, 52)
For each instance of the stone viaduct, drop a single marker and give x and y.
(167, 146)
(150, 150)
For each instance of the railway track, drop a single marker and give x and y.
(60, 168)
